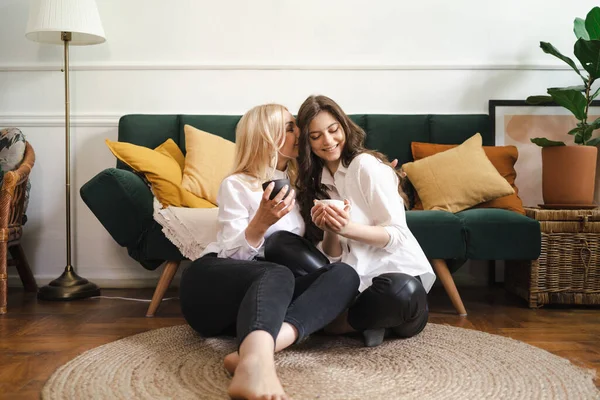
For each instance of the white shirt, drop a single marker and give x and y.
(372, 189)
(238, 199)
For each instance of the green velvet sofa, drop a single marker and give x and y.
(123, 203)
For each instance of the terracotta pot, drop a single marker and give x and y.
(569, 174)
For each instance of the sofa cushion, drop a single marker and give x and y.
(455, 129)
(392, 134)
(502, 157)
(161, 170)
(171, 149)
(494, 234)
(220, 125)
(209, 159)
(12, 152)
(457, 179)
(439, 233)
(358, 119)
(148, 131)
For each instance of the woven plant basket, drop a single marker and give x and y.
(568, 269)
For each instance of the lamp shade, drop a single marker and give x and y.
(49, 18)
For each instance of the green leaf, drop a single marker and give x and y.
(579, 88)
(592, 23)
(588, 53)
(539, 100)
(572, 100)
(595, 124)
(575, 130)
(595, 94)
(587, 133)
(579, 29)
(593, 142)
(549, 49)
(579, 138)
(543, 142)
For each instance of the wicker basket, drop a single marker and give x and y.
(568, 270)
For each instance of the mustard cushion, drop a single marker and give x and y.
(170, 148)
(457, 179)
(162, 171)
(209, 159)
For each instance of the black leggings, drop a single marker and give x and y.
(222, 296)
(394, 300)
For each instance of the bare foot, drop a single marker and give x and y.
(231, 362)
(256, 379)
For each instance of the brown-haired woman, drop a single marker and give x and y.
(369, 233)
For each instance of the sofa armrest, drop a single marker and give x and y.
(122, 202)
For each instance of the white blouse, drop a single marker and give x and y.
(372, 189)
(238, 199)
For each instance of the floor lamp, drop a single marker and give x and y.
(66, 22)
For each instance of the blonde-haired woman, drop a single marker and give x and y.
(231, 288)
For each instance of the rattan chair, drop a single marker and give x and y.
(12, 200)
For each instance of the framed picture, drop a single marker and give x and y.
(514, 122)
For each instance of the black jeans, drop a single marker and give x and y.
(221, 295)
(394, 300)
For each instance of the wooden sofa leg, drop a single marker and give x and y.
(163, 284)
(441, 270)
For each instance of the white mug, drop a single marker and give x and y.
(339, 204)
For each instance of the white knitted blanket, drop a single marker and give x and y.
(189, 229)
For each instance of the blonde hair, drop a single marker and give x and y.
(259, 135)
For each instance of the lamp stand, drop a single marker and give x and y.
(68, 286)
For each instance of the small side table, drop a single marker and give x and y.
(568, 269)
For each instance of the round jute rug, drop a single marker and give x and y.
(442, 362)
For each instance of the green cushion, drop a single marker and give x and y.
(494, 234)
(439, 233)
(392, 134)
(360, 120)
(147, 130)
(455, 129)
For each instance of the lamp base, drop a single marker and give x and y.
(68, 286)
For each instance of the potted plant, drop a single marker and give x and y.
(569, 172)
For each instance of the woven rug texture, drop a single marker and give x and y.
(442, 362)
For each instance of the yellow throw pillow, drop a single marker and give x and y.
(457, 179)
(170, 148)
(209, 159)
(162, 171)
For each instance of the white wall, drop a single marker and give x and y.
(202, 56)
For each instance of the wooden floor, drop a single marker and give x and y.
(37, 337)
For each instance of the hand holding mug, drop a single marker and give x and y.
(274, 205)
(331, 215)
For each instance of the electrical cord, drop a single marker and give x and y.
(130, 298)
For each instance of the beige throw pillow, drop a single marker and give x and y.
(457, 179)
(209, 159)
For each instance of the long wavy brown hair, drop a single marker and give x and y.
(310, 167)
